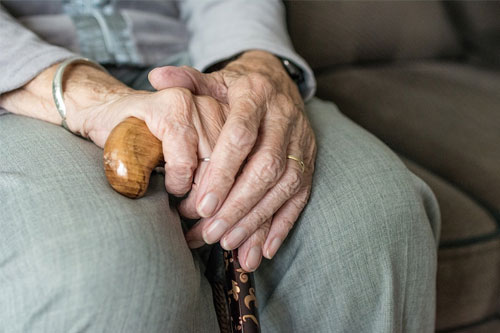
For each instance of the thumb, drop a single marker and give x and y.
(189, 78)
(170, 77)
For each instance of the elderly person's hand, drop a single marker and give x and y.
(187, 125)
(249, 181)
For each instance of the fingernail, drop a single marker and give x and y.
(194, 244)
(253, 259)
(273, 248)
(215, 231)
(234, 239)
(207, 205)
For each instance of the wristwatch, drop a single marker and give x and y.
(293, 70)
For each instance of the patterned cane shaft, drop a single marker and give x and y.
(240, 293)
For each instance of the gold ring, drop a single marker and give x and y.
(301, 163)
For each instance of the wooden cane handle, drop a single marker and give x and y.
(130, 155)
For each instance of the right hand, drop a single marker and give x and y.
(187, 126)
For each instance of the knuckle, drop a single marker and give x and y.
(272, 167)
(180, 171)
(238, 208)
(241, 138)
(258, 217)
(265, 227)
(181, 131)
(261, 81)
(307, 193)
(292, 182)
(180, 95)
(286, 104)
(287, 224)
(257, 78)
(301, 201)
(175, 188)
(222, 177)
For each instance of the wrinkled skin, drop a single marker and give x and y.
(246, 117)
(256, 193)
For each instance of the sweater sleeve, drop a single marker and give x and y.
(220, 29)
(23, 55)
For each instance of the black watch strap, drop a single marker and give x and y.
(221, 64)
(293, 70)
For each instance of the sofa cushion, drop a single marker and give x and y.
(468, 281)
(446, 116)
(478, 24)
(488, 326)
(330, 33)
(464, 221)
(477, 18)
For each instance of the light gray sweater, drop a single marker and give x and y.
(36, 34)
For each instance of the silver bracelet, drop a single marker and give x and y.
(57, 84)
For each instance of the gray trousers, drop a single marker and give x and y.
(75, 256)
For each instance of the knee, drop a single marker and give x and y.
(136, 261)
(111, 272)
(371, 206)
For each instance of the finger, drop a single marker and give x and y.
(283, 222)
(288, 185)
(208, 126)
(249, 100)
(261, 172)
(250, 252)
(179, 138)
(235, 142)
(285, 218)
(187, 77)
(194, 236)
(211, 118)
(187, 207)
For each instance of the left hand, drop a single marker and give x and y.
(250, 194)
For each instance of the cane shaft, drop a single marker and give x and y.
(241, 298)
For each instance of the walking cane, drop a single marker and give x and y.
(130, 155)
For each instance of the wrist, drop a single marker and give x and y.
(88, 91)
(84, 87)
(259, 56)
(263, 62)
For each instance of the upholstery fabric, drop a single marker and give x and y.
(484, 327)
(464, 220)
(478, 24)
(477, 17)
(444, 115)
(469, 258)
(330, 33)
